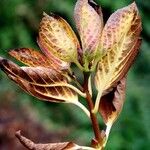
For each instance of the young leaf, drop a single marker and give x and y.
(50, 146)
(111, 104)
(43, 83)
(56, 37)
(120, 39)
(122, 28)
(89, 22)
(34, 58)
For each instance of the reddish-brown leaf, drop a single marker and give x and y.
(33, 58)
(43, 83)
(111, 104)
(51, 146)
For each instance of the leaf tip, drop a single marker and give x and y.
(1, 58)
(18, 133)
(133, 6)
(45, 14)
(3, 63)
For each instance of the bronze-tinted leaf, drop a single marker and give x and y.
(34, 58)
(57, 38)
(120, 40)
(123, 26)
(106, 79)
(89, 22)
(50, 146)
(111, 104)
(43, 83)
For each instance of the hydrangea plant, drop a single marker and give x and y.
(102, 53)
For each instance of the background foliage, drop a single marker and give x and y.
(19, 21)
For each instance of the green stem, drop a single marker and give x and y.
(79, 65)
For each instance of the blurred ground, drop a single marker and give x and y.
(13, 118)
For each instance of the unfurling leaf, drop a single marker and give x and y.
(89, 22)
(51, 146)
(120, 41)
(111, 104)
(34, 58)
(41, 82)
(57, 38)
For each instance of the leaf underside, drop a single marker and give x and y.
(43, 83)
(120, 39)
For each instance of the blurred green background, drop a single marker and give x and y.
(19, 22)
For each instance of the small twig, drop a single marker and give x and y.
(93, 117)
